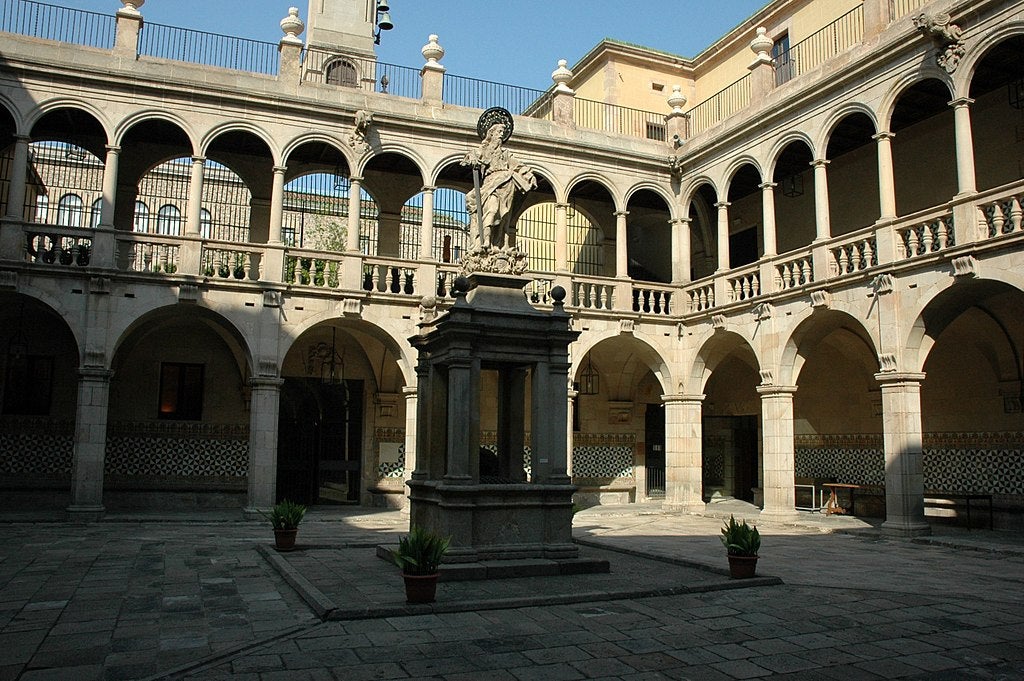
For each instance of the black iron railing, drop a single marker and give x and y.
(820, 46)
(720, 105)
(63, 24)
(335, 68)
(482, 94)
(209, 49)
(620, 120)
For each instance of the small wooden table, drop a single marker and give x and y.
(832, 505)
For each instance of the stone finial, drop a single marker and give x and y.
(292, 26)
(131, 6)
(432, 52)
(761, 45)
(562, 75)
(677, 100)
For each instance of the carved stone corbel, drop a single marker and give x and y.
(718, 322)
(627, 326)
(882, 284)
(821, 300)
(188, 293)
(767, 377)
(887, 363)
(764, 311)
(357, 139)
(965, 266)
(948, 35)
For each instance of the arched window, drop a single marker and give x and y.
(42, 208)
(168, 220)
(205, 223)
(69, 211)
(141, 223)
(342, 72)
(95, 213)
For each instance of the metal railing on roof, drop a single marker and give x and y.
(63, 24)
(209, 49)
(482, 94)
(336, 68)
(720, 105)
(619, 120)
(820, 46)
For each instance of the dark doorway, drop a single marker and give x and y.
(654, 436)
(730, 456)
(319, 434)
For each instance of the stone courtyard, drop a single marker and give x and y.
(204, 596)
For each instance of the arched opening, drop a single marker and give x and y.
(596, 203)
(794, 202)
(852, 175)
(997, 88)
(649, 237)
(746, 231)
(922, 122)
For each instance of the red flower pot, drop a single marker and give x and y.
(420, 588)
(742, 567)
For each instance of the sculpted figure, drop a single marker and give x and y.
(503, 176)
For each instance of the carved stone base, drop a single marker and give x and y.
(494, 260)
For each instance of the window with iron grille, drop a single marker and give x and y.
(96, 213)
(316, 214)
(342, 72)
(452, 230)
(536, 235)
(69, 211)
(782, 59)
(62, 170)
(140, 222)
(655, 131)
(168, 220)
(225, 196)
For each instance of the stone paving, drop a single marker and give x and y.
(192, 598)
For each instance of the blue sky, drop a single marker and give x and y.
(509, 41)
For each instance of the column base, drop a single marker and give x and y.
(691, 507)
(81, 513)
(891, 528)
(779, 516)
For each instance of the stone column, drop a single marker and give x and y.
(768, 217)
(886, 183)
(12, 234)
(463, 440)
(621, 245)
(273, 264)
(561, 237)
(193, 215)
(723, 235)
(103, 242)
(684, 472)
(411, 424)
(680, 231)
(904, 472)
(427, 225)
(823, 230)
(90, 443)
(352, 237)
(777, 451)
(264, 405)
(964, 145)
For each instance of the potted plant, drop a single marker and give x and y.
(285, 518)
(419, 555)
(742, 542)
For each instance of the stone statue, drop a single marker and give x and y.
(357, 139)
(949, 36)
(503, 176)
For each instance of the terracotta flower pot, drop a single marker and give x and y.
(742, 567)
(284, 540)
(420, 588)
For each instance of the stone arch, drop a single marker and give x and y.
(654, 187)
(780, 145)
(712, 351)
(900, 85)
(410, 154)
(737, 164)
(43, 109)
(836, 117)
(218, 131)
(966, 70)
(600, 180)
(127, 124)
(809, 331)
(313, 138)
(394, 344)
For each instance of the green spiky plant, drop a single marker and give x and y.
(420, 552)
(740, 539)
(286, 515)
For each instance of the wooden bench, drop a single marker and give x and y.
(965, 497)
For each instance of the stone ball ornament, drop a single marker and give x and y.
(492, 117)
(558, 294)
(460, 285)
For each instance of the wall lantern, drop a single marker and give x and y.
(793, 185)
(590, 380)
(323, 361)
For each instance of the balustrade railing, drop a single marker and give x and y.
(313, 268)
(385, 276)
(854, 255)
(744, 285)
(58, 249)
(924, 237)
(63, 24)
(796, 271)
(649, 299)
(700, 297)
(720, 105)
(336, 68)
(1002, 216)
(592, 294)
(208, 49)
(226, 263)
(143, 255)
(820, 46)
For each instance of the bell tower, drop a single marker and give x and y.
(345, 25)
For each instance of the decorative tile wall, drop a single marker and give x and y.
(979, 463)
(603, 455)
(390, 469)
(857, 459)
(34, 446)
(174, 449)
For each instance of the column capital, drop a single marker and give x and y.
(621, 213)
(280, 170)
(266, 383)
(428, 188)
(960, 102)
(198, 160)
(679, 221)
(93, 373)
(819, 163)
(896, 378)
(113, 149)
(564, 205)
(682, 398)
(765, 186)
(355, 179)
(23, 138)
(883, 135)
(410, 391)
(722, 204)
(775, 390)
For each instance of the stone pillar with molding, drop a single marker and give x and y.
(289, 48)
(12, 234)
(191, 250)
(684, 471)
(561, 237)
(264, 405)
(273, 265)
(103, 242)
(432, 73)
(129, 24)
(680, 231)
(762, 69)
(410, 393)
(778, 470)
(563, 99)
(621, 245)
(723, 235)
(965, 175)
(903, 443)
(677, 127)
(90, 443)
